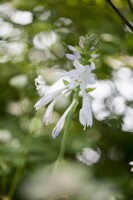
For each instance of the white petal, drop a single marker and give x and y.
(85, 115)
(94, 55)
(72, 48)
(78, 65)
(71, 57)
(90, 78)
(39, 80)
(48, 113)
(92, 48)
(83, 85)
(72, 73)
(87, 68)
(81, 42)
(93, 67)
(48, 98)
(82, 118)
(73, 83)
(61, 122)
(77, 54)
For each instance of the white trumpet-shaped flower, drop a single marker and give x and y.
(49, 111)
(85, 115)
(81, 75)
(61, 122)
(76, 80)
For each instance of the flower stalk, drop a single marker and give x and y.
(66, 131)
(120, 15)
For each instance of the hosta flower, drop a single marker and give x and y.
(75, 81)
(49, 111)
(81, 75)
(85, 115)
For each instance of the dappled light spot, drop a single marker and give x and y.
(44, 40)
(103, 90)
(45, 15)
(89, 156)
(128, 120)
(119, 105)
(5, 136)
(108, 37)
(113, 62)
(22, 17)
(19, 81)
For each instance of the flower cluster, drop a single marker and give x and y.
(76, 81)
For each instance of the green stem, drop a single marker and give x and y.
(120, 15)
(62, 148)
(66, 130)
(16, 179)
(130, 6)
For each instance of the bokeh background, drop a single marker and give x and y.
(33, 41)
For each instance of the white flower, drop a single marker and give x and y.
(49, 111)
(61, 122)
(89, 156)
(81, 76)
(85, 115)
(48, 98)
(131, 163)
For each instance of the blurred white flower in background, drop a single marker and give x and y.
(89, 156)
(131, 163)
(70, 182)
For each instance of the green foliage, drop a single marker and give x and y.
(25, 142)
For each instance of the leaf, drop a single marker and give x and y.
(65, 82)
(89, 89)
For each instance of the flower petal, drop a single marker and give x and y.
(94, 55)
(48, 98)
(72, 73)
(81, 42)
(93, 67)
(77, 54)
(48, 113)
(73, 83)
(78, 65)
(61, 122)
(90, 78)
(72, 48)
(85, 115)
(71, 57)
(87, 68)
(83, 85)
